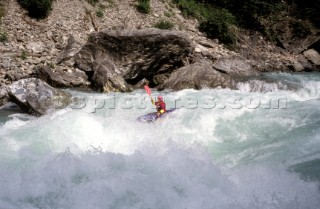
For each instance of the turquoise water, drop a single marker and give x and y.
(257, 147)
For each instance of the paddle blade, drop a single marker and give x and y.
(148, 90)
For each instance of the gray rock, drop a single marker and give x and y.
(234, 66)
(70, 50)
(106, 78)
(137, 54)
(35, 47)
(60, 78)
(313, 56)
(4, 97)
(197, 75)
(36, 97)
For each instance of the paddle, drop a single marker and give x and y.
(148, 90)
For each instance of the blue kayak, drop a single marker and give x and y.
(151, 117)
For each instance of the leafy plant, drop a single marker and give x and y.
(3, 37)
(164, 24)
(23, 55)
(167, 14)
(217, 25)
(2, 10)
(144, 6)
(300, 29)
(92, 2)
(99, 13)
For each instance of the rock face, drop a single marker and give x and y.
(3, 96)
(313, 56)
(106, 78)
(36, 97)
(234, 66)
(60, 78)
(132, 54)
(197, 75)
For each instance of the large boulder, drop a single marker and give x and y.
(313, 56)
(106, 78)
(67, 54)
(200, 74)
(136, 55)
(36, 97)
(60, 78)
(4, 97)
(234, 66)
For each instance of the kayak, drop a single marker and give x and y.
(151, 117)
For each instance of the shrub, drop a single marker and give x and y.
(167, 14)
(37, 8)
(300, 29)
(23, 55)
(92, 2)
(189, 8)
(164, 24)
(2, 10)
(99, 13)
(217, 25)
(144, 6)
(3, 37)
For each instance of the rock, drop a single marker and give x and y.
(15, 73)
(197, 75)
(307, 66)
(70, 50)
(4, 97)
(206, 44)
(292, 41)
(160, 78)
(137, 54)
(5, 64)
(198, 50)
(106, 78)
(36, 97)
(298, 67)
(234, 66)
(35, 47)
(60, 78)
(313, 56)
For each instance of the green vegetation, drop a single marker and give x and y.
(3, 37)
(217, 16)
(23, 55)
(2, 9)
(167, 14)
(164, 24)
(308, 9)
(37, 8)
(217, 25)
(214, 21)
(92, 2)
(300, 29)
(99, 13)
(144, 6)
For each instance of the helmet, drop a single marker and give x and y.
(160, 97)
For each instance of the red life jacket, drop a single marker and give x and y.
(160, 105)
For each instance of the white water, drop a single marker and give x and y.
(236, 154)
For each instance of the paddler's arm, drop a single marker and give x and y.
(152, 101)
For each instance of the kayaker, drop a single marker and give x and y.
(160, 106)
